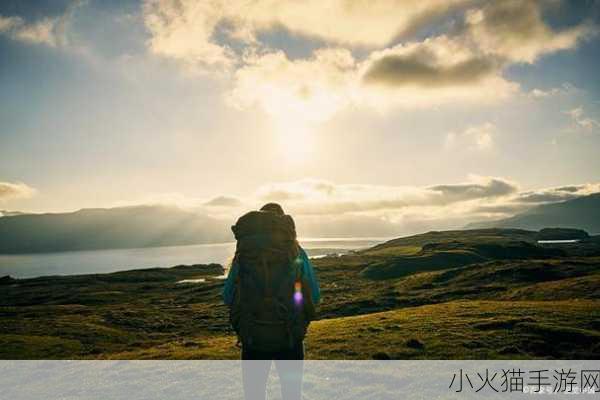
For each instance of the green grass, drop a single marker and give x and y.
(471, 235)
(564, 289)
(36, 347)
(453, 330)
(489, 308)
(393, 251)
(450, 312)
(451, 254)
(456, 330)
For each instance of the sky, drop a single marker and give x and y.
(372, 117)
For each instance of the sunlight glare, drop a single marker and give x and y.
(295, 141)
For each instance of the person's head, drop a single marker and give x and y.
(273, 207)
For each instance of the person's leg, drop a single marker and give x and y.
(289, 365)
(255, 372)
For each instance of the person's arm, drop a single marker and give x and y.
(311, 277)
(229, 286)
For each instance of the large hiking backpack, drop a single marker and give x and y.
(272, 304)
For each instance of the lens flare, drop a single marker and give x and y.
(298, 293)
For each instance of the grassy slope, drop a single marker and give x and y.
(483, 235)
(453, 330)
(494, 309)
(400, 257)
(464, 329)
(89, 315)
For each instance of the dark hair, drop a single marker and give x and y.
(273, 207)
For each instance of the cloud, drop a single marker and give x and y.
(553, 195)
(545, 197)
(310, 89)
(581, 121)
(515, 31)
(49, 31)
(300, 190)
(347, 226)
(281, 195)
(190, 29)
(325, 208)
(393, 210)
(564, 89)
(357, 60)
(224, 201)
(476, 198)
(184, 30)
(539, 93)
(10, 191)
(202, 31)
(485, 187)
(569, 189)
(361, 23)
(477, 137)
(435, 62)
(315, 197)
(9, 23)
(43, 31)
(494, 37)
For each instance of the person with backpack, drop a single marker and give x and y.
(271, 291)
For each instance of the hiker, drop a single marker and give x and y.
(271, 291)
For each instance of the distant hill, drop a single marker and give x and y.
(122, 227)
(448, 249)
(439, 250)
(581, 213)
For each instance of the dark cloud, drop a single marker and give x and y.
(489, 39)
(223, 201)
(444, 16)
(516, 30)
(421, 68)
(468, 191)
(513, 19)
(570, 189)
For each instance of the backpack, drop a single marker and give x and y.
(272, 304)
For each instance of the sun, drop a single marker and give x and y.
(295, 141)
(296, 144)
(296, 115)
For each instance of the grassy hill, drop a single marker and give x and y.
(453, 330)
(442, 250)
(512, 299)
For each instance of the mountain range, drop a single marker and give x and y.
(155, 225)
(112, 228)
(581, 213)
